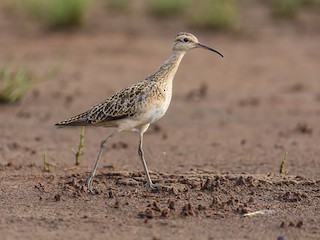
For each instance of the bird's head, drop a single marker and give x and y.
(186, 41)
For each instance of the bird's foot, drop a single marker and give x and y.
(152, 186)
(89, 183)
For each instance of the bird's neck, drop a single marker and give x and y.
(169, 68)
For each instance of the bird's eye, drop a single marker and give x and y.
(186, 40)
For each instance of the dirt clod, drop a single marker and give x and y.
(216, 202)
(299, 224)
(57, 197)
(303, 128)
(291, 224)
(148, 213)
(201, 207)
(172, 205)
(155, 206)
(187, 210)
(119, 145)
(197, 94)
(165, 213)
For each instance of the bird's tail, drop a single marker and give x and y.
(78, 120)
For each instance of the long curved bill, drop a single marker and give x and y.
(199, 45)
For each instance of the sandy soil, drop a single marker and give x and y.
(215, 155)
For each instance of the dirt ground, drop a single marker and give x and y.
(215, 155)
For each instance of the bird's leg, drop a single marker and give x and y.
(95, 166)
(141, 155)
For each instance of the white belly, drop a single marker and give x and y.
(152, 111)
(159, 109)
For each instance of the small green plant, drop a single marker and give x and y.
(290, 8)
(216, 14)
(310, 3)
(46, 164)
(286, 8)
(79, 151)
(118, 5)
(58, 13)
(165, 8)
(282, 171)
(14, 85)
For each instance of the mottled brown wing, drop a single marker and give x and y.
(121, 105)
(78, 120)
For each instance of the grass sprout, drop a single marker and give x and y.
(165, 8)
(46, 164)
(80, 151)
(286, 8)
(282, 171)
(215, 14)
(290, 8)
(58, 13)
(121, 6)
(15, 84)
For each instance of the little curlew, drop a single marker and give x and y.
(137, 106)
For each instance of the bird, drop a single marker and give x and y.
(135, 107)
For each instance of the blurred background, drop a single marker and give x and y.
(240, 113)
